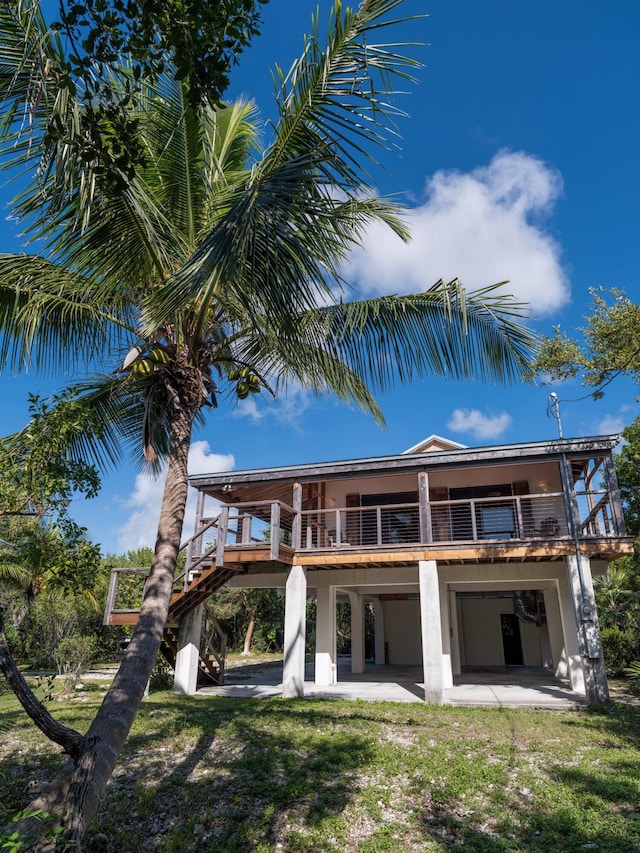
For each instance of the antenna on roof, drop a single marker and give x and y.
(553, 408)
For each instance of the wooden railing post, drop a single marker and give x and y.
(520, 531)
(275, 530)
(426, 532)
(474, 523)
(111, 596)
(296, 527)
(223, 525)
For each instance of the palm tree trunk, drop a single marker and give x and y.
(103, 742)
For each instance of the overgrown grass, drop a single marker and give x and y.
(234, 775)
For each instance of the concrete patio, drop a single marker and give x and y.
(509, 687)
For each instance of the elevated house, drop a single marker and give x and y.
(469, 558)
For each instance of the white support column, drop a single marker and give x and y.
(431, 631)
(185, 679)
(588, 630)
(295, 620)
(447, 669)
(569, 632)
(378, 630)
(326, 661)
(456, 666)
(356, 606)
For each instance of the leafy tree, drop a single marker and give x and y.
(73, 654)
(628, 472)
(79, 75)
(41, 469)
(220, 268)
(54, 557)
(250, 618)
(618, 592)
(610, 345)
(41, 547)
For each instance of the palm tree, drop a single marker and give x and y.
(220, 268)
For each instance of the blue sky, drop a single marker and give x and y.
(518, 161)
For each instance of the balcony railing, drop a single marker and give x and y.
(275, 527)
(479, 519)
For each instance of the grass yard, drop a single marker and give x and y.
(235, 775)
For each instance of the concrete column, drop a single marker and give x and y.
(295, 621)
(431, 631)
(326, 659)
(569, 633)
(456, 666)
(378, 630)
(356, 605)
(185, 679)
(588, 630)
(447, 670)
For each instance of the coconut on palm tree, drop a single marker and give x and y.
(221, 267)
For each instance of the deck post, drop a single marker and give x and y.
(326, 672)
(356, 605)
(446, 634)
(185, 679)
(431, 631)
(295, 612)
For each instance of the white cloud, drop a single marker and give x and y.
(483, 227)
(611, 424)
(140, 529)
(480, 426)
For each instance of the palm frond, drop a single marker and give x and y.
(443, 331)
(14, 574)
(283, 237)
(52, 317)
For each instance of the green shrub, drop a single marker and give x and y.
(161, 676)
(620, 648)
(72, 655)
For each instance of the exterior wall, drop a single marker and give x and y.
(403, 633)
(483, 635)
(337, 490)
(541, 476)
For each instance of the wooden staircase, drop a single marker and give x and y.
(212, 652)
(200, 579)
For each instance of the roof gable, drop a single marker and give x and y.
(434, 443)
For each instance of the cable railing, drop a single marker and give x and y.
(472, 520)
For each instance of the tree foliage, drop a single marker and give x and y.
(628, 472)
(610, 345)
(71, 76)
(41, 467)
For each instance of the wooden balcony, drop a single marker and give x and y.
(515, 527)
(268, 536)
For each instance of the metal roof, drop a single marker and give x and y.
(500, 454)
